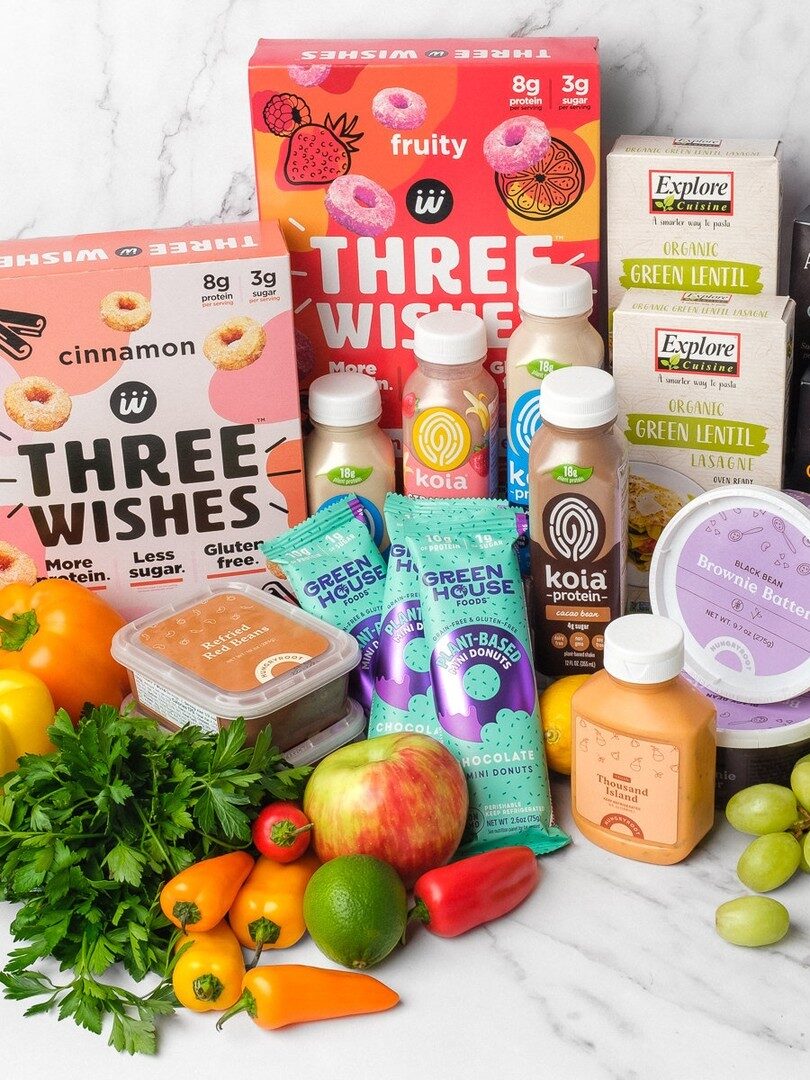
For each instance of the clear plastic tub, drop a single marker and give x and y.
(231, 650)
(350, 729)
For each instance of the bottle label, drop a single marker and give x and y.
(571, 474)
(626, 785)
(348, 475)
(446, 456)
(524, 421)
(577, 579)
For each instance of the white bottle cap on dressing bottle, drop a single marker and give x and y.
(579, 397)
(344, 399)
(450, 337)
(555, 291)
(643, 649)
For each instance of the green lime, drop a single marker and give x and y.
(355, 908)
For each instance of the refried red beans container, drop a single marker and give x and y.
(231, 650)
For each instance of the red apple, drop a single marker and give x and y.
(402, 798)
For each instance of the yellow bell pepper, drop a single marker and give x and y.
(208, 976)
(26, 713)
(268, 912)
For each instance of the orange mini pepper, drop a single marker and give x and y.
(61, 632)
(208, 975)
(200, 895)
(282, 994)
(268, 912)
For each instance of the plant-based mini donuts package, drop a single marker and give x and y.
(410, 175)
(702, 383)
(336, 572)
(482, 675)
(693, 215)
(150, 435)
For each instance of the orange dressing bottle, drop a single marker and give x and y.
(643, 768)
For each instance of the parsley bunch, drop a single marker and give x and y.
(89, 836)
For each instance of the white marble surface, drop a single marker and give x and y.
(611, 970)
(119, 115)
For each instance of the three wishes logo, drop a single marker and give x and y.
(573, 527)
(133, 402)
(429, 201)
(16, 328)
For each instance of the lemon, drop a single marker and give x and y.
(355, 908)
(555, 717)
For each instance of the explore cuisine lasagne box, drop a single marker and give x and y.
(412, 175)
(702, 383)
(150, 433)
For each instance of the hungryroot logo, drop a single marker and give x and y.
(686, 191)
(701, 353)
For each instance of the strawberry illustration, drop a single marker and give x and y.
(319, 153)
(409, 405)
(479, 460)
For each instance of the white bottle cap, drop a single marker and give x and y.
(555, 291)
(643, 648)
(344, 399)
(450, 337)
(578, 397)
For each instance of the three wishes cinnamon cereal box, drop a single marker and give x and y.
(150, 434)
(414, 175)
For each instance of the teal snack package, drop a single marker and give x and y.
(337, 574)
(402, 698)
(482, 675)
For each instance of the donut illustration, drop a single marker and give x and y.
(309, 74)
(360, 204)
(125, 311)
(517, 144)
(16, 566)
(235, 344)
(402, 665)
(398, 108)
(37, 404)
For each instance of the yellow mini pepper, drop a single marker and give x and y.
(26, 713)
(208, 975)
(268, 912)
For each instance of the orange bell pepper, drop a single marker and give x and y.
(61, 632)
(200, 895)
(208, 975)
(268, 912)
(282, 994)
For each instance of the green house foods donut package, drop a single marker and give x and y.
(410, 175)
(150, 434)
(702, 384)
(693, 215)
(482, 675)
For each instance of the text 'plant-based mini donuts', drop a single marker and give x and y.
(235, 344)
(125, 311)
(37, 404)
(16, 567)
(360, 204)
(398, 108)
(516, 144)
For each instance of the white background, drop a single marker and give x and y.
(133, 114)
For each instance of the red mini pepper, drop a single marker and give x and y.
(453, 899)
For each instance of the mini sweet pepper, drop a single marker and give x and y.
(268, 912)
(26, 713)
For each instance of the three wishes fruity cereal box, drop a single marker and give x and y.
(150, 435)
(412, 175)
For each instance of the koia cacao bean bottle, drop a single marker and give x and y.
(577, 521)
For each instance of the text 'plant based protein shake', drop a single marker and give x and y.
(578, 520)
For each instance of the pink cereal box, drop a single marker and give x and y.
(150, 435)
(414, 175)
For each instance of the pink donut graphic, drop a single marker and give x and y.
(309, 74)
(516, 144)
(360, 204)
(398, 108)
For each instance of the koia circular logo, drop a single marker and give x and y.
(441, 438)
(133, 402)
(573, 527)
(525, 421)
(429, 201)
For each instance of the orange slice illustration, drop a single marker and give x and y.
(547, 189)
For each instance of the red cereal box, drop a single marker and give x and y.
(414, 175)
(150, 435)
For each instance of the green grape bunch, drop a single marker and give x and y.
(779, 819)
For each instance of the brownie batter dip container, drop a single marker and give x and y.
(231, 651)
